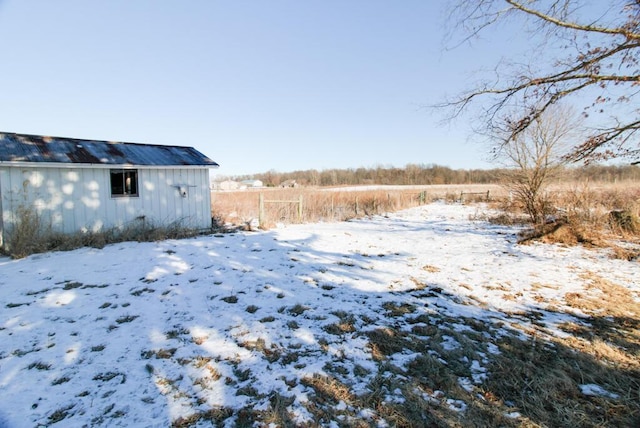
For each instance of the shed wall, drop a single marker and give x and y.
(79, 199)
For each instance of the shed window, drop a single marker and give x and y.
(124, 182)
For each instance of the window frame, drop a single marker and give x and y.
(124, 191)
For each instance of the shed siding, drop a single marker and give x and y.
(79, 199)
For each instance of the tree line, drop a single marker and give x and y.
(413, 174)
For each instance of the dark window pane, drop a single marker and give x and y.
(124, 182)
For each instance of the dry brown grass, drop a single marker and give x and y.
(241, 208)
(595, 205)
(593, 215)
(569, 234)
(614, 331)
(31, 235)
(586, 213)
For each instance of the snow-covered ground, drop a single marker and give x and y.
(141, 334)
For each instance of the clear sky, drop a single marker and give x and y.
(255, 85)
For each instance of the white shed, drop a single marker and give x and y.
(83, 185)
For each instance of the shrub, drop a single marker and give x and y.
(24, 237)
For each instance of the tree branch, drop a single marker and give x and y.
(630, 35)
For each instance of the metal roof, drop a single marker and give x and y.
(35, 148)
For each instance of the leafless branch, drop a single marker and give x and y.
(591, 61)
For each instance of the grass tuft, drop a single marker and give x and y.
(230, 299)
(39, 365)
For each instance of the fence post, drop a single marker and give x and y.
(300, 210)
(488, 195)
(261, 210)
(422, 199)
(333, 213)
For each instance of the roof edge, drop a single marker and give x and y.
(91, 140)
(20, 164)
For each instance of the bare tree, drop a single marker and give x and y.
(535, 156)
(591, 56)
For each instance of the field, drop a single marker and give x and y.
(586, 205)
(242, 208)
(429, 316)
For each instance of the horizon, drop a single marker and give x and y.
(574, 166)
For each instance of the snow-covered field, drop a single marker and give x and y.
(142, 334)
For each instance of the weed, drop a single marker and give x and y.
(16, 305)
(61, 380)
(252, 309)
(360, 371)
(108, 376)
(386, 341)
(60, 414)
(242, 375)
(72, 285)
(328, 390)
(212, 417)
(159, 353)
(230, 299)
(271, 353)
(247, 390)
(199, 340)
(298, 310)
(126, 318)
(398, 309)
(39, 365)
(142, 290)
(277, 413)
(176, 332)
(214, 373)
(289, 358)
(339, 328)
(35, 293)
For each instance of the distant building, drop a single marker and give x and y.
(85, 185)
(253, 183)
(289, 183)
(227, 185)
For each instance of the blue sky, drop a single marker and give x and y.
(256, 85)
